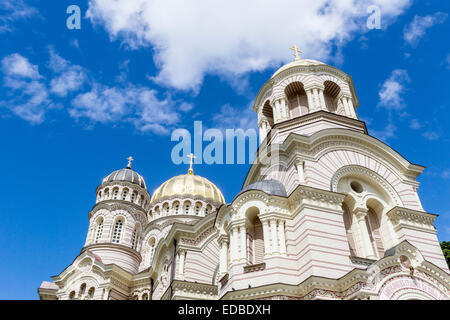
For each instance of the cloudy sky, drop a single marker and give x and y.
(75, 103)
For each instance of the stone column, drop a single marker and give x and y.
(266, 233)
(223, 265)
(234, 244)
(323, 105)
(276, 112)
(351, 108)
(301, 171)
(310, 96)
(360, 214)
(181, 259)
(284, 109)
(243, 237)
(316, 99)
(273, 226)
(282, 237)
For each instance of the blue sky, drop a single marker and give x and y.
(74, 104)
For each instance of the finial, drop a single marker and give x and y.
(296, 52)
(130, 158)
(191, 171)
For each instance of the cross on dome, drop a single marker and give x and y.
(192, 157)
(130, 159)
(296, 52)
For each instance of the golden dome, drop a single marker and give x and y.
(191, 186)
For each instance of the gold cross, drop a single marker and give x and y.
(296, 52)
(191, 171)
(130, 158)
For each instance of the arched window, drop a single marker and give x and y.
(208, 209)
(145, 296)
(151, 250)
(117, 230)
(82, 290)
(72, 295)
(135, 237)
(166, 209)
(106, 194)
(176, 207)
(91, 292)
(197, 208)
(115, 193)
(330, 94)
(348, 223)
(296, 99)
(124, 194)
(187, 207)
(373, 227)
(99, 230)
(133, 197)
(255, 237)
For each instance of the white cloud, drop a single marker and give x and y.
(416, 30)
(235, 118)
(137, 105)
(194, 38)
(431, 135)
(415, 124)
(392, 90)
(70, 77)
(28, 94)
(17, 65)
(13, 10)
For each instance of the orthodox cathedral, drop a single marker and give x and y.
(326, 211)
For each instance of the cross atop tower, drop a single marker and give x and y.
(192, 157)
(130, 158)
(296, 52)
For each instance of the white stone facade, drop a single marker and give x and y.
(326, 212)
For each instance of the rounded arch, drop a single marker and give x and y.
(367, 175)
(267, 112)
(331, 93)
(297, 101)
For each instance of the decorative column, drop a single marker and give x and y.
(181, 259)
(301, 171)
(223, 262)
(273, 226)
(276, 112)
(283, 107)
(323, 105)
(351, 108)
(266, 232)
(360, 214)
(234, 244)
(282, 237)
(243, 237)
(316, 99)
(310, 96)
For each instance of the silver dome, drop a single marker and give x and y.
(271, 187)
(126, 175)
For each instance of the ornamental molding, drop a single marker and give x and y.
(185, 197)
(127, 184)
(195, 242)
(186, 289)
(114, 205)
(356, 170)
(408, 218)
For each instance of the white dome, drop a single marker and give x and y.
(296, 63)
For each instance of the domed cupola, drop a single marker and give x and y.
(186, 194)
(305, 96)
(124, 185)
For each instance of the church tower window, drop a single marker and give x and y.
(124, 194)
(297, 100)
(99, 230)
(117, 231)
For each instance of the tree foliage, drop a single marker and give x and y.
(445, 246)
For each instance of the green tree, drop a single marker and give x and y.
(445, 246)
